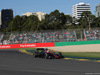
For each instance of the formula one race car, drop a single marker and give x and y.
(45, 53)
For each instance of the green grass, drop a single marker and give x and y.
(82, 54)
(28, 48)
(85, 55)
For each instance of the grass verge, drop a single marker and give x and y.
(74, 55)
(83, 55)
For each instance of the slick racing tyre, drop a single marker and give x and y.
(46, 56)
(60, 54)
(35, 55)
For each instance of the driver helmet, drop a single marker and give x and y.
(45, 49)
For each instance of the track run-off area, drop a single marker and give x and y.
(12, 62)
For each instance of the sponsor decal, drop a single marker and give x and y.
(8, 46)
(29, 45)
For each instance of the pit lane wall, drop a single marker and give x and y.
(29, 45)
(77, 43)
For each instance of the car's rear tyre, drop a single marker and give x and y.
(46, 56)
(60, 54)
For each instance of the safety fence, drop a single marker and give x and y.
(50, 36)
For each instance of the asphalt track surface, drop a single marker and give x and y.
(15, 63)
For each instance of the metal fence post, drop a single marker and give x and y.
(85, 35)
(53, 36)
(81, 36)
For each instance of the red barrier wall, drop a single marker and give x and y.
(29, 45)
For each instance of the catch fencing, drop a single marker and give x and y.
(50, 36)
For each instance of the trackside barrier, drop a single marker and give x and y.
(29, 45)
(77, 43)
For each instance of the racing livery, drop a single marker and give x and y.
(45, 53)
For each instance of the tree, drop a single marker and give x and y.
(85, 14)
(9, 28)
(55, 20)
(86, 19)
(7, 23)
(68, 19)
(97, 22)
(43, 25)
(31, 23)
(16, 24)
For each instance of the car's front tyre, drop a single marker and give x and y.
(35, 55)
